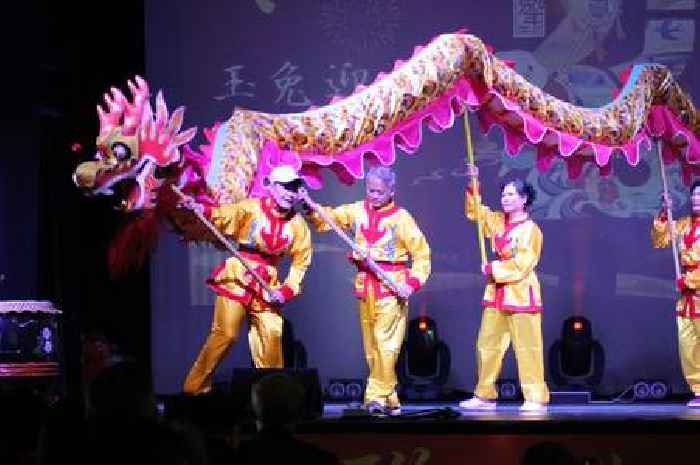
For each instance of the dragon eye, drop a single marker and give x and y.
(121, 151)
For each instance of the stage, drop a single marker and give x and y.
(441, 433)
(593, 417)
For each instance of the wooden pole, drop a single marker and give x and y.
(229, 246)
(671, 224)
(475, 186)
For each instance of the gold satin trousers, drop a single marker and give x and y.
(383, 326)
(498, 330)
(689, 351)
(264, 338)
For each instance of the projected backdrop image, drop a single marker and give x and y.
(597, 260)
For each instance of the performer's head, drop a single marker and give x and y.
(517, 196)
(695, 197)
(284, 183)
(379, 184)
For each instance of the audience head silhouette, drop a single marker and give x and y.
(277, 401)
(122, 390)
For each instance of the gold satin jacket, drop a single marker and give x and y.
(392, 238)
(687, 232)
(514, 286)
(264, 237)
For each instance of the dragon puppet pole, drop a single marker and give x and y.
(475, 185)
(371, 264)
(671, 224)
(229, 246)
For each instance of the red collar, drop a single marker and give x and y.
(387, 210)
(268, 206)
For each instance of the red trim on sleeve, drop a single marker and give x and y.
(286, 292)
(413, 282)
(680, 283)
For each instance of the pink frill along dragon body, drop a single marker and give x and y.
(140, 153)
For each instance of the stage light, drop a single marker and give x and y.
(576, 360)
(646, 389)
(659, 390)
(422, 325)
(424, 361)
(641, 390)
(508, 389)
(345, 390)
(353, 390)
(336, 390)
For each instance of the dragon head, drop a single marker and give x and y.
(136, 150)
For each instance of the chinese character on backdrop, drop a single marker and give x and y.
(287, 82)
(235, 86)
(344, 79)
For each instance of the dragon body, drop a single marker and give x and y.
(140, 152)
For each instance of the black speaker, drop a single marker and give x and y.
(243, 379)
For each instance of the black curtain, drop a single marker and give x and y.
(87, 49)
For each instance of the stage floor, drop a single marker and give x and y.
(594, 417)
(593, 411)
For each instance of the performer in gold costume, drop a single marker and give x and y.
(687, 231)
(512, 300)
(391, 238)
(266, 229)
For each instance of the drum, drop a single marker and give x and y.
(29, 338)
